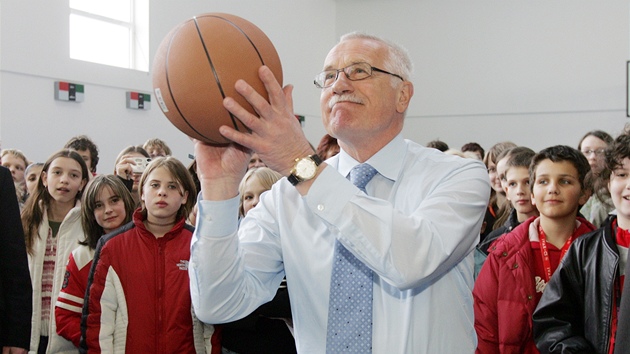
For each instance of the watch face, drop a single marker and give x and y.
(305, 168)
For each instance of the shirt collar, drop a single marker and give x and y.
(387, 161)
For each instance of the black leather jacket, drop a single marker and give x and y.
(575, 311)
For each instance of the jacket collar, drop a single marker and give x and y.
(522, 235)
(138, 219)
(73, 214)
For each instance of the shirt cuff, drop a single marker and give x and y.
(329, 194)
(217, 218)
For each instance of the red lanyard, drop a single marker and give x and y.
(545, 252)
(492, 212)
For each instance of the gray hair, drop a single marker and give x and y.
(398, 62)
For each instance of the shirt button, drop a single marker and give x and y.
(504, 254)
(529, 297)
(320, 207)
(515, 265)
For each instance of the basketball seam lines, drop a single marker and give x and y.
(246, 36)
(170, 91)
(214, 71)
(212, 66)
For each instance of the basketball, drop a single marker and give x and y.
(196, 66)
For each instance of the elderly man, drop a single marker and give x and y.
(378, 263)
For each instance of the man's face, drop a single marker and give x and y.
(366, 108)
(255, 161)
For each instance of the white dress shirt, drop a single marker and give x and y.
(415, 229)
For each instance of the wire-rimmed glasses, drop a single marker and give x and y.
(354, 72)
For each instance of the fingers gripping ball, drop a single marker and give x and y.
(196, 67)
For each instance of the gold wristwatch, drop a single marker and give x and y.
(305, 168)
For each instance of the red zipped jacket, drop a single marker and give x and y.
(138, 298)
(505, 292)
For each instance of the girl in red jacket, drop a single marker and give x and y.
(106, 205)
(520, 263)
(138, 298)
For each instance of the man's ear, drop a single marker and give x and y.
(404, 96)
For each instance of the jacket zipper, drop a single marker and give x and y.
(159, 266)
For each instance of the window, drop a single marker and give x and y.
(110, 32)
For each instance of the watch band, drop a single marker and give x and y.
(318, 161)
(293, 179)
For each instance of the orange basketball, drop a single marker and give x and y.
(196, 67)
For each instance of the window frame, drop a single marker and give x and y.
(136, 40)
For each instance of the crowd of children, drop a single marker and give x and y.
(108, 253)
(83, 230)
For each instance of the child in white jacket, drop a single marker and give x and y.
(52, 226)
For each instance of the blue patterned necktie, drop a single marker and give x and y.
(350, 304)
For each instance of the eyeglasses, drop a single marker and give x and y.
(354, 72)
(598, 152)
